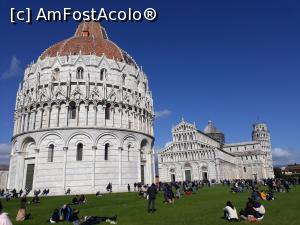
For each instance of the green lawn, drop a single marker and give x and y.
(204, 207)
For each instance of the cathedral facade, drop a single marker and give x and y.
(197, 155)
(83, 118)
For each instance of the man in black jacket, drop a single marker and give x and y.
(151, 198)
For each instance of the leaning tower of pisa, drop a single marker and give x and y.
(261, 134)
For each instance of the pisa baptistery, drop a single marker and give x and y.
(83, 118)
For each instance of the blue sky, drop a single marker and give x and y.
(232, 62)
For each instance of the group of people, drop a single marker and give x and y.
(79, 200)
(66, 213)
(254, 211)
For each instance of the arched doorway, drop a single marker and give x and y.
(29, 147)
(144, 145)
(204, 173)
(188, 172)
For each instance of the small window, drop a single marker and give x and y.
(50, 153)
(79, 152)
(129, 125)
(107, 112)
(79, 73)
(123, 79)
(245, 170)
(106, 148)
(72, 110)
(129, 146)
(103, 72)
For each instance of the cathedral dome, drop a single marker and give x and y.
(210, 128)
(214, 133)
(90, 38)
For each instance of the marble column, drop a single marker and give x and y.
(48, 116)
(34, 120)
(87, 114)
(41, 120)
(95, 116)
(94, 148)
(65, 149)
(36, 160)
(120, 166)
(68, 114)
(58, 113)
(77, 113)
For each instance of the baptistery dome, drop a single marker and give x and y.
(83, 118)
(89, 39)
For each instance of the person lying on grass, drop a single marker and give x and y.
(91, 220)
(230, 212)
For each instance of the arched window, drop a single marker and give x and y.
(72, 110)
(79, 152)
(79, 73)
(55, 75)
(129, 146)
(106, 148)
(245, 170)
(103, 72)
(107, 112)
(50, 153)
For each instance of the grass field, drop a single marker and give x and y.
(204, 207)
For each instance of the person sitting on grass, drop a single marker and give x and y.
(260, 210)
(75, 200)
(4, 219)
(65, 213)
(82, 199)
(35, 199)
(74, 218)
(270, 196)
(98, 194)
(22, 212)
(263, 195)
(254, 211)
(230, 212)
(254, 195)
(55, 216)
(168, 194)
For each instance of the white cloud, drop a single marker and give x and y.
(283, 156)
(13, 70)
(4, 153)
(281, 153)
(162, 113)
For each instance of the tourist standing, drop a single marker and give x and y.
(152, 191)
(128, 187)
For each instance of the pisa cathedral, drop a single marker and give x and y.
(83, 118)
(197, 155)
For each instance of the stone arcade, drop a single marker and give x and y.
(83, 118)
(196, 155)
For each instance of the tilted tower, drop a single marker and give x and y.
(261, 134)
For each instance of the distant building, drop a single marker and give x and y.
(3, 176)
(291, 169)
(197, 155)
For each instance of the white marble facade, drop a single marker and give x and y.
(196, 155)
(81, 121)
